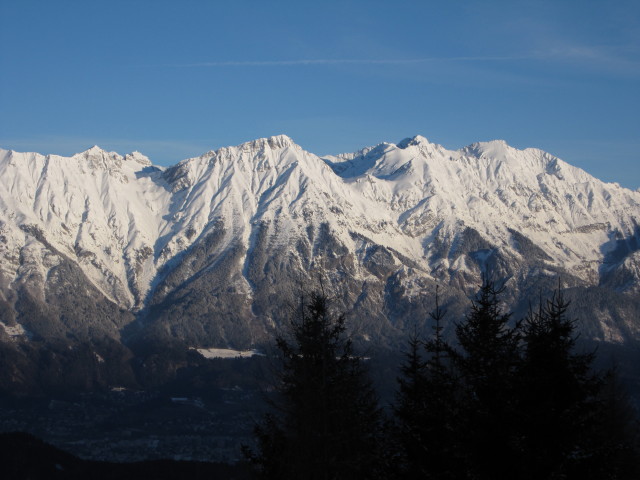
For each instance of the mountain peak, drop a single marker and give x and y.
(99, 159)
(497, 143)
(275, 142)
(492, 148)
(97, 152)
(93, 150)
(411, 141)
(138, 157)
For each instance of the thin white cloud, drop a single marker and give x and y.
(602, 61)
(612, 60)
(606, 59)
(352, 61)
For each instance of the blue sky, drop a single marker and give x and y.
(174, 79)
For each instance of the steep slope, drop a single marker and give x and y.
(209, 251)
(266, 216)
(522, 215)
(493, 188)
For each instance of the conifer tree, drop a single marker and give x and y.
(487, 364)
(411, 411)
(326, 423)
(427, 408)
(410, 408)
(563, 405)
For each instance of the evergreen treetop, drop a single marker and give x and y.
(326, 423)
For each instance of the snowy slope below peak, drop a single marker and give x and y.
(100, 209)
(128, 224)
(492, 188)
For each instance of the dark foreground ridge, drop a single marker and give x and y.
(23, 456)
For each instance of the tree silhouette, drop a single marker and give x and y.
(488, 365)
(573, 419)
(427, 406)
(411, 409)
(326, 422)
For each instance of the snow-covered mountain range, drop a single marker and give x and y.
(209, 250)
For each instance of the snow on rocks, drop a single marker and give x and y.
(122, 219)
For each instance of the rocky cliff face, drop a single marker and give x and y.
(210, 251)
